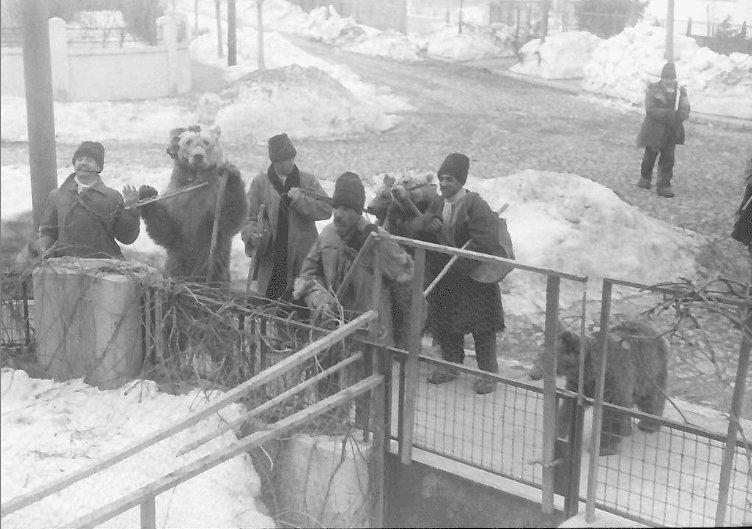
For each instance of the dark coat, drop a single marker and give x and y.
(662, 124)
(88, 230)
(458, 303)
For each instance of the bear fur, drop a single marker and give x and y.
(398, 205)
(636, 375)
(183, 224)
(402, 199)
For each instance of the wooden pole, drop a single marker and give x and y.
(413, 361)
(544, 29)
(232, 56)
(669, 55)
(553, 285)
(215, 229)
(218, 16)
(260, 33)
(595, 438)
(195, 17)
(40, 112)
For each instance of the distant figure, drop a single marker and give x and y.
(662, 130)
(294, 201)
(84, 217)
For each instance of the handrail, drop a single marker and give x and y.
(235, 394)
(209, 461)
(269, 404)
(484, 257)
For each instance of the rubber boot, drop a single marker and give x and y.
(644, 183)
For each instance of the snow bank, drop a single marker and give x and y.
(623, 65)
(572, 224)
(305, 102)
(561, 56)
(49, 429)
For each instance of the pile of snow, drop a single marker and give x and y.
(50, 429)
(561, 56)
(306, 102)
(565, 222)
(623, 65)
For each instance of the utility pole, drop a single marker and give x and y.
(232, 56)
(40, 110)
(218, 14)
(669, 55)
(260, 33)
(460, 18)
(195, 17)
(544, 29)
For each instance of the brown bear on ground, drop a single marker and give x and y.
(183, 224)
(636, 373)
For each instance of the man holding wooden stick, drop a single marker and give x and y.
(464, 300)
(339, 269)
(293, 200)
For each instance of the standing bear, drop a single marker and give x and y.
(636, 373)
(183, 224)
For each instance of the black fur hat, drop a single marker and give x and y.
(456, 165)
(281, 148)
(92, 149)
(349, 192)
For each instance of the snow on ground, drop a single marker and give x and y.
(562, 56)
(50, 428)
(623, 65)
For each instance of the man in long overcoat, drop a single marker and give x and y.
(662, 129)
(462, 302)
(294, 201)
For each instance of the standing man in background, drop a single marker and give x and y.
(662, 129)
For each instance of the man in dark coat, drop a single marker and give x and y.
(84, 217)
(460, 303)
(294, 201)
(662, 129)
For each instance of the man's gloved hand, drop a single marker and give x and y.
(294, 194)
(322, 303)
(255, 236)
(146, 192)
(359, 238)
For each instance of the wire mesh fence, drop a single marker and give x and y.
(671, 477)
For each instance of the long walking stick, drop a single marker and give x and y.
(215, 228)
(149, 200)
(453, 260)
(254, 256)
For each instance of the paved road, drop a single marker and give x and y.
(506, 125)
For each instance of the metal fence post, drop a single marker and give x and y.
(553, 284)
(149, 514)
(595, 437)
(413, 364)
(737, 402)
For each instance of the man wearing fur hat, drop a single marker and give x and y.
(460, 304)
(333, 253)
(294, 200)
(662, 129)
(84, 217)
